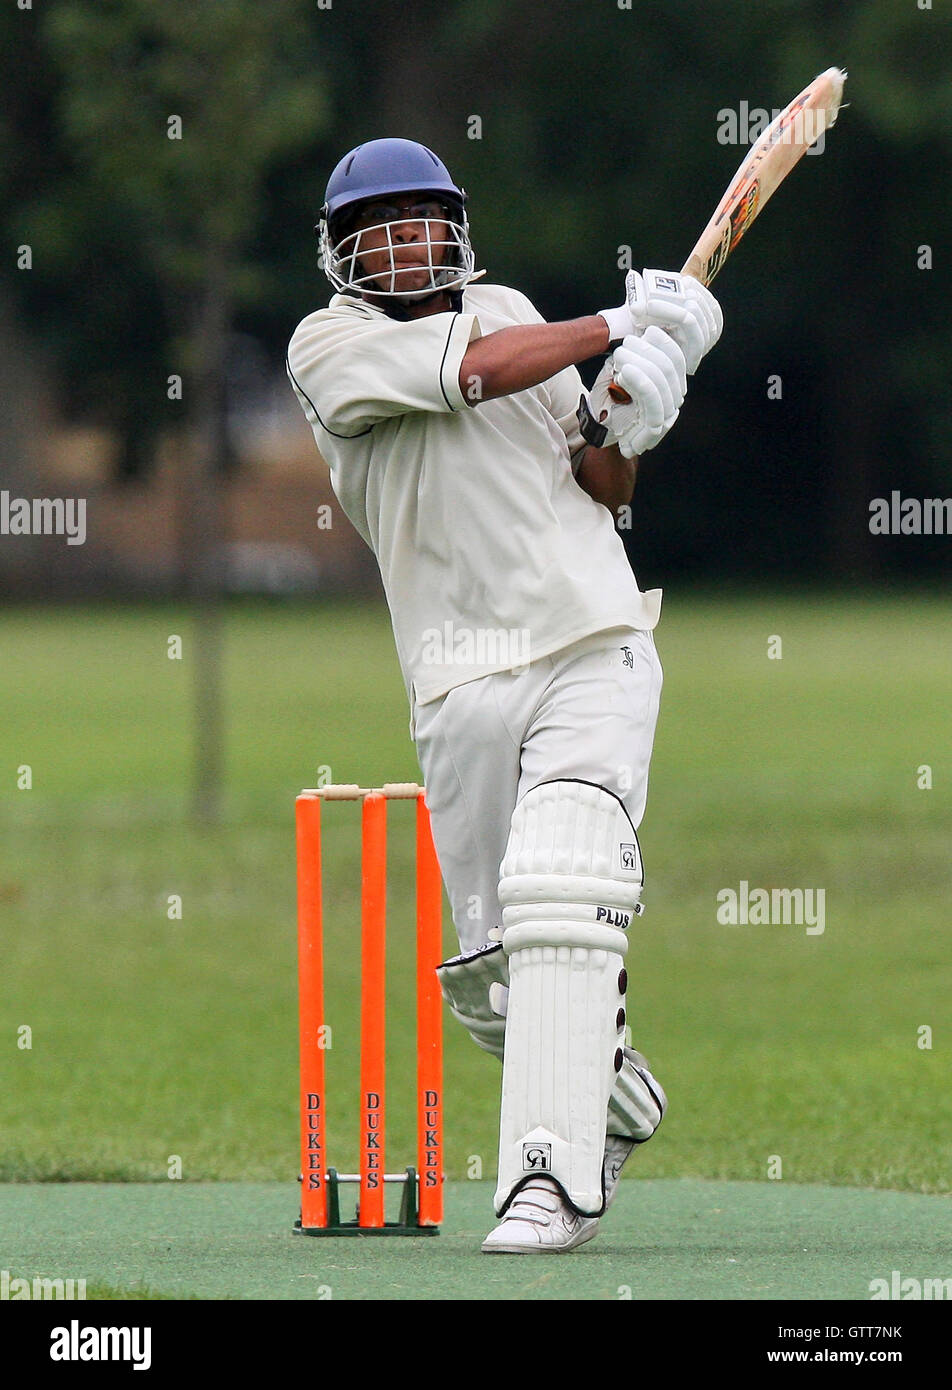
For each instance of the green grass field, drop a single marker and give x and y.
(154, 1038)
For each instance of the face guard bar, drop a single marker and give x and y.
(456, 269)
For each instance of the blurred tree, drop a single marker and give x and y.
(176, 112)
(596, 128)
(20, 401)
(598, 133)
(897, 420)
(90, 299)
(21, 154)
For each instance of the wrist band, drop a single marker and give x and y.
(619, 322)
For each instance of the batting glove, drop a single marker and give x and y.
(651, 369)
(679, 304)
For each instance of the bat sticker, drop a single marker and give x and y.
(745, 212)
(719, 255)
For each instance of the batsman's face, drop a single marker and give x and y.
(400, 239)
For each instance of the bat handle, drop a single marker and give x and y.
(618, 394)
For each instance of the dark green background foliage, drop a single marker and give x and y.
(598, 130)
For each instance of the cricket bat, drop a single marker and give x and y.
(768, 162)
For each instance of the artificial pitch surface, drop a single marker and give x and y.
(160, 1044)
(663, 1239)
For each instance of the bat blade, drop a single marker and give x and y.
(763, 169)
(778, 150)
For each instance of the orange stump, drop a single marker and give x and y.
(372, 1008)
(311, 1006)
(422, 1204)
(429, 1023)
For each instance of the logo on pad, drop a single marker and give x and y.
(613, 916)
(536, 1158)
(629, 856)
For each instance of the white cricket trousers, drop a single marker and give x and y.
(587, 713)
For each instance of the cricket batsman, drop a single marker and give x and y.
(463, 447)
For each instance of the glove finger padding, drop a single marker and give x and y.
(690, 338)
(662, 360)
(651, 370)
(639, 425)
(712, 311)
(702, 326)
(664, 343)
(670, 404)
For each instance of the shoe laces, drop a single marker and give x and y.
(537, 1202)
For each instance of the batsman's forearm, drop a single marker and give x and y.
(608, 477)
(513, 359)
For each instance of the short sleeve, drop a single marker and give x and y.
(352, 368)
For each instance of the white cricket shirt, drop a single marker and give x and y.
(491, 554)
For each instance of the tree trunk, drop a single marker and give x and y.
(19, 423)
(204, 531)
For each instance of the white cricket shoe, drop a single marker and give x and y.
(540, 1222)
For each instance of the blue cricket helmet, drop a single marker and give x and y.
(382, 167)
(379, 169)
